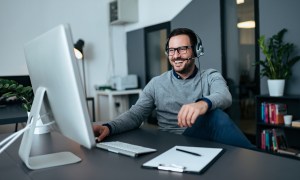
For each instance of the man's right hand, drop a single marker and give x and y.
(100, 132)
(189, 113)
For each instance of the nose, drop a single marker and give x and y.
(176, 54)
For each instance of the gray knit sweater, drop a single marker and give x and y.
(167, 94)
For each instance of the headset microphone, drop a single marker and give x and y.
(191, 58)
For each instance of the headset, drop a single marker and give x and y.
(198, 49)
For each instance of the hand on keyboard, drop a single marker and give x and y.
(100, 132)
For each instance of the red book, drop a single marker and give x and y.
(272, 113)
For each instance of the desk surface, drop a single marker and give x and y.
(235, 163)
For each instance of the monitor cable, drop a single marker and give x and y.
(4, 144)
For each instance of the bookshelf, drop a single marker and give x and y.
(292, 134)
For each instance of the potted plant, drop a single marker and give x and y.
(278, 62)
(10, 90)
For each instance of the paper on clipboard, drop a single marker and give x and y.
(180, 161)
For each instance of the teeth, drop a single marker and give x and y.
(178, 61)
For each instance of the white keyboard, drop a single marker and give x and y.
(124, 148)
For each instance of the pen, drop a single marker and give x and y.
(189, 152)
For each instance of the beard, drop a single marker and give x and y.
(181, 66)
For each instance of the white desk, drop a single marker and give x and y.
(110, 104)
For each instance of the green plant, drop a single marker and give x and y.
(278, 63)
(12, 89)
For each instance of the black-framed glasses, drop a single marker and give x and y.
(180, 50)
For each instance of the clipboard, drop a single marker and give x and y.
(185, 159)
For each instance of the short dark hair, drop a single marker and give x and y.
(179, 31)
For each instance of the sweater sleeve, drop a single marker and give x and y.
(135, 116)
(219, 94)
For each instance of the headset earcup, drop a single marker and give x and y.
(200, 51)
(199, 48)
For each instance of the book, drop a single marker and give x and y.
(281, 139)
(273, 113)
(263, 106)
(289, 151)
(296, 123)
(263, 140)
(280, 111)
(267, 113)
(273, 139)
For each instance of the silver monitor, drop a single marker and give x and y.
(59, 92)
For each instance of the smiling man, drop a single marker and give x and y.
(187, 100)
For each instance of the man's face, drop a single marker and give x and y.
(179, 59)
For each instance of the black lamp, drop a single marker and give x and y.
(78, 49)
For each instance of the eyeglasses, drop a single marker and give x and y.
(180, 50)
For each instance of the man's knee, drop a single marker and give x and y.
(219, 117)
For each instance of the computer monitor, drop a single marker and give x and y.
(59, 92)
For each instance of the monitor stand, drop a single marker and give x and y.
(46, 160)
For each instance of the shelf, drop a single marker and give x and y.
(109, 104)
(276, 125)
(291, 134)
(282, 154)
(293, 97)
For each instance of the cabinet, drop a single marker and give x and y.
(110, 104)
(292, 134)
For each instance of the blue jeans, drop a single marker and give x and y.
(217, 126)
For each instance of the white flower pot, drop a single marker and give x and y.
(40, 127)
(276, 87)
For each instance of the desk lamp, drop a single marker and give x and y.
(78, 49)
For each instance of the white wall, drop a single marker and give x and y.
(21, 21)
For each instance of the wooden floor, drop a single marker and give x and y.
(9, 128)
(248, 127)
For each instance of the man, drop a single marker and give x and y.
(187, 101)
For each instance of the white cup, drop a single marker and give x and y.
(287, 119)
